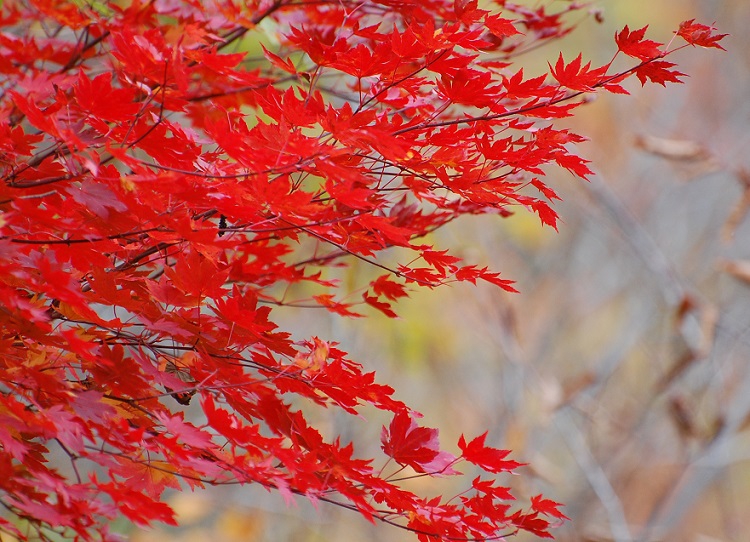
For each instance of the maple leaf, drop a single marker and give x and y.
(574, 164)
(151, 477)
(658, 71)
(490, 459)
(544, 189)
(546, 214)
(467, 12)
(136, 505)
(494, 278)
(516, 87)
(277, 61)
(384, 285)
(575, 76)
(382, 306)
(700, 34)
(471, 273)
(469, 88)
(440, 260)
(633, 44)
(531, 523)
(100, 100)
(417, 447)
(547, 507)
(44, 119)
(329, 302)
(97, 198)
(489, 488)
(500, 27)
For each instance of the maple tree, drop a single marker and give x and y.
(164, 191)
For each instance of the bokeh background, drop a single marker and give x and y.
(621, 372)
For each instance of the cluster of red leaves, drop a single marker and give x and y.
(163, 190)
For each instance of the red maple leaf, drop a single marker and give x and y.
(384, 285)
(658, 71)
(500, 27)
(575, 76)
(700, 34)
(382, 306)
(544, 189)
(633, 44)
(547, 507)
(417, 447)
(490, 459)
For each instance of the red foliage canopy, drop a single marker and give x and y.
(162, 191)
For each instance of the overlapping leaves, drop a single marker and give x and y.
(164, 192)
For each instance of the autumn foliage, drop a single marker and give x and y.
(169, 183)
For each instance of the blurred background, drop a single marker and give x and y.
(621, 372)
